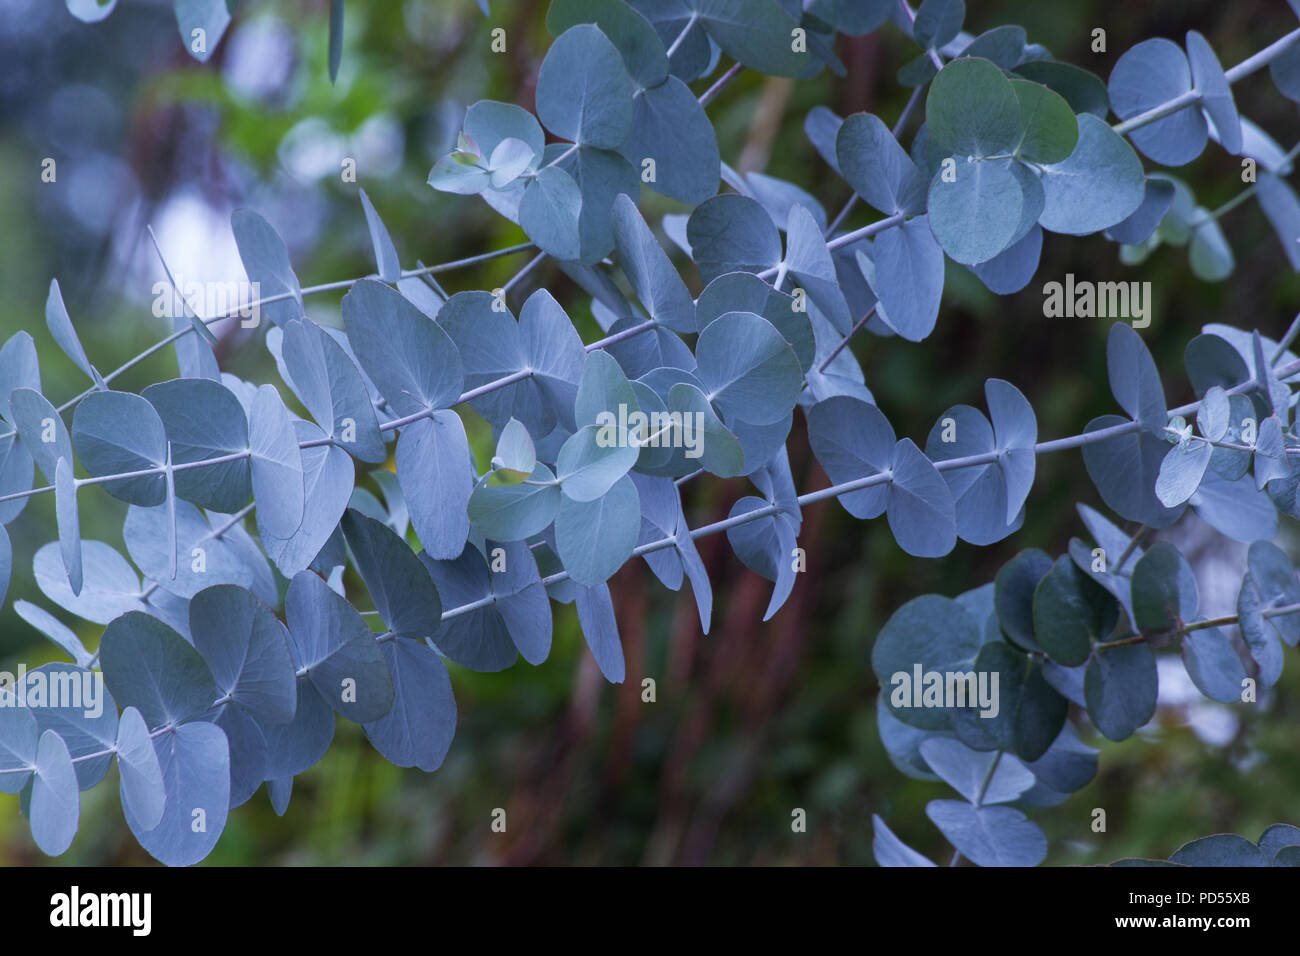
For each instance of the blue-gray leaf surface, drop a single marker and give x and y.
(338, 650)
(147, 665)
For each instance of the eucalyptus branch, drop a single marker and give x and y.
(1193, 96)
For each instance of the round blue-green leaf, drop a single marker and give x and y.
(200, 558)
(1134, 379)
(938, 22)
(600, 628)
(601, 175)
(1120, 687)
(648, 268)
(298, 745)
(744, 292)
(515, 512)
(889, 850)
(642, 51)
(1138, 227)
(19, 368)
(1236, 509)
(266, 261)
(478, 639)
(747, 368)
(41, 428)
(1003, 45)
(412, 361)
(1084, 91)
(979, 492)
(583, 91)
(1215, 413)
(989, 836)
(55, 803)
(91, 11)
(449, 175)
(1275, 577)
(908, 278)
(1124, 468)
(764, 545)
(1015, 433)
(58, 632)
(758, 33)
(877, 168)
(972, 773)
(419, 729)
(1209, 254)
(202, 24)
(338, 650)
(515, 449)
(1216, 93)
(118, 432)
(1259, 633)
(555, 355)
(275, 464)
(921, 513)
(1164, 589)
(508, 161)
(732, 233)
(710, 443)
(594, 537)
(109, 585)
(976, 215)
(671, 129)
(972, 111)
(247, 649)
(489, 122)
(591, 461)
(328, 383)
(69, 523)
(1100, 184)
(1221, 849)
(327, 486)
(853, 440)
(18, 744)
(63, 333)
(85, 716)
(433, 469)
(932, 633)
(141, 785)
(195, 762)
(389, 265)
(602, 389)
(1278, 837)
(808, 260)
(1213, 665)
(203, 419)
(1013, 595)
(1070, 612)
(549, 212)
(15, 474)
(147, 665)
(1050, 130)
(1181, 472)
(1146, 76)
(521, 607)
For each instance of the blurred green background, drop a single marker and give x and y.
(755, 719)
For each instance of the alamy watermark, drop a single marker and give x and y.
(655, 430)
(945, 689)
(133, 911)
(209, 300)
(73, 689)
(1098, 300)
